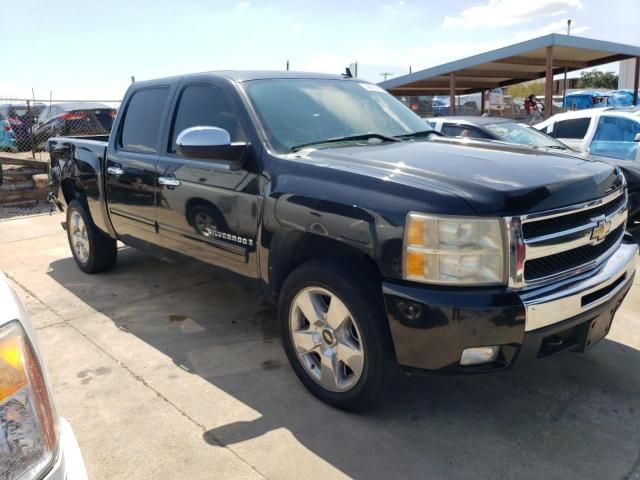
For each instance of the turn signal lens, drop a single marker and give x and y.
(28, 427)
(415, 264)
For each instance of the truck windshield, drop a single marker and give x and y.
(301, 112)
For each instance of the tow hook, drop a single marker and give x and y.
(554, 341)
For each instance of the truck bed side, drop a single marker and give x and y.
(77, 167)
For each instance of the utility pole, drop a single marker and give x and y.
(410, 70)
(564, 86)
(133, 79)
(287, 65)
(386, 74)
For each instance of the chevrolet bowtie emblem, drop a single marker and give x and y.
(600, 231)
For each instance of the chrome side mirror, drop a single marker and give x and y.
(211, 143)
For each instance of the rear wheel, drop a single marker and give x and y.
(336, 336)
(93, 250)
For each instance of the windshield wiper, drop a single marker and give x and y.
(420, 134)
(350, 138)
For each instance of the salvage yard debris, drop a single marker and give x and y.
(24, 181)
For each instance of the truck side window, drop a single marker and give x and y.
(614, 137)
(142, 120)
(573, 128)
(204, 105)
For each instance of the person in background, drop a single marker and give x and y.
(531, 109)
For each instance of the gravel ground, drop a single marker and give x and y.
(36, 209)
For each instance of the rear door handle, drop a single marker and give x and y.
(169, 181)
(115, 171)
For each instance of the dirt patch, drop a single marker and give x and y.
(24, 210)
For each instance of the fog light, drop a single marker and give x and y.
(478, 355)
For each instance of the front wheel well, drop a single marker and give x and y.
(289, 250)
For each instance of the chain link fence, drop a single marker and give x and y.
(496, 105)
(27, 124)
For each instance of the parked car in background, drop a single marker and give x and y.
(505, 130)
(22, 118)
(73, 119)
(609, 132)
(7, 137)
(35, 442)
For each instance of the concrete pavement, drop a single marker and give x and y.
(165, 373)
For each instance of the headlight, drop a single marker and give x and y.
(28, 427)
(454, 250)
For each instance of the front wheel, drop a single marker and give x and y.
(93, 250)
(336, 336)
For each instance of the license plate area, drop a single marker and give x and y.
(599, 328)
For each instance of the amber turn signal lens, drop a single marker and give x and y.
(414, 266)
(415, 236)
(13, 376)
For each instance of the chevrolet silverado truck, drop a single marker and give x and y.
(385, 247)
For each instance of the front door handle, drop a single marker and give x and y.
(169, 181)
(115, 171)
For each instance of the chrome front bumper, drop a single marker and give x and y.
(562, 300)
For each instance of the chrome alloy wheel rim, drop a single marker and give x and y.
(79, 237)
(327, 339)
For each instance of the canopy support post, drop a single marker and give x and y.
(452, 93)
(548, 84)
(636, 79)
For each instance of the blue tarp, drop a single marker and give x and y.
(621, 98)
(582, 100)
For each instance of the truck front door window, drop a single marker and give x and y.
(204, 105)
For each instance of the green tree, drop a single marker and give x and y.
(523, 90)
(598, 79)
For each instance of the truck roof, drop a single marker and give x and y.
(247, 75)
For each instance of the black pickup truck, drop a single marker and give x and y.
(386, 247)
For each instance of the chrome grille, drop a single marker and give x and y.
(553, 245)
(565, 261)
(572, 220)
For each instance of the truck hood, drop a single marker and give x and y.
(492, 179)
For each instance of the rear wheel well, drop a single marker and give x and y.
(70, 191)
(290, 250)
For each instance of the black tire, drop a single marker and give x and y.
(102, 249)
(364, 302)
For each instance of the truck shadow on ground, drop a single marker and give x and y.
(574, 416)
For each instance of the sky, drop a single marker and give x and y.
(83, 49)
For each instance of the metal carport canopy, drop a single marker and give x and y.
(537, 58)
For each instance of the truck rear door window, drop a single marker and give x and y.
(574, 128)
(142, 120)
(204, 106)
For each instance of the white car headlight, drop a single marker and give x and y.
(454, 250)
(28, 426)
